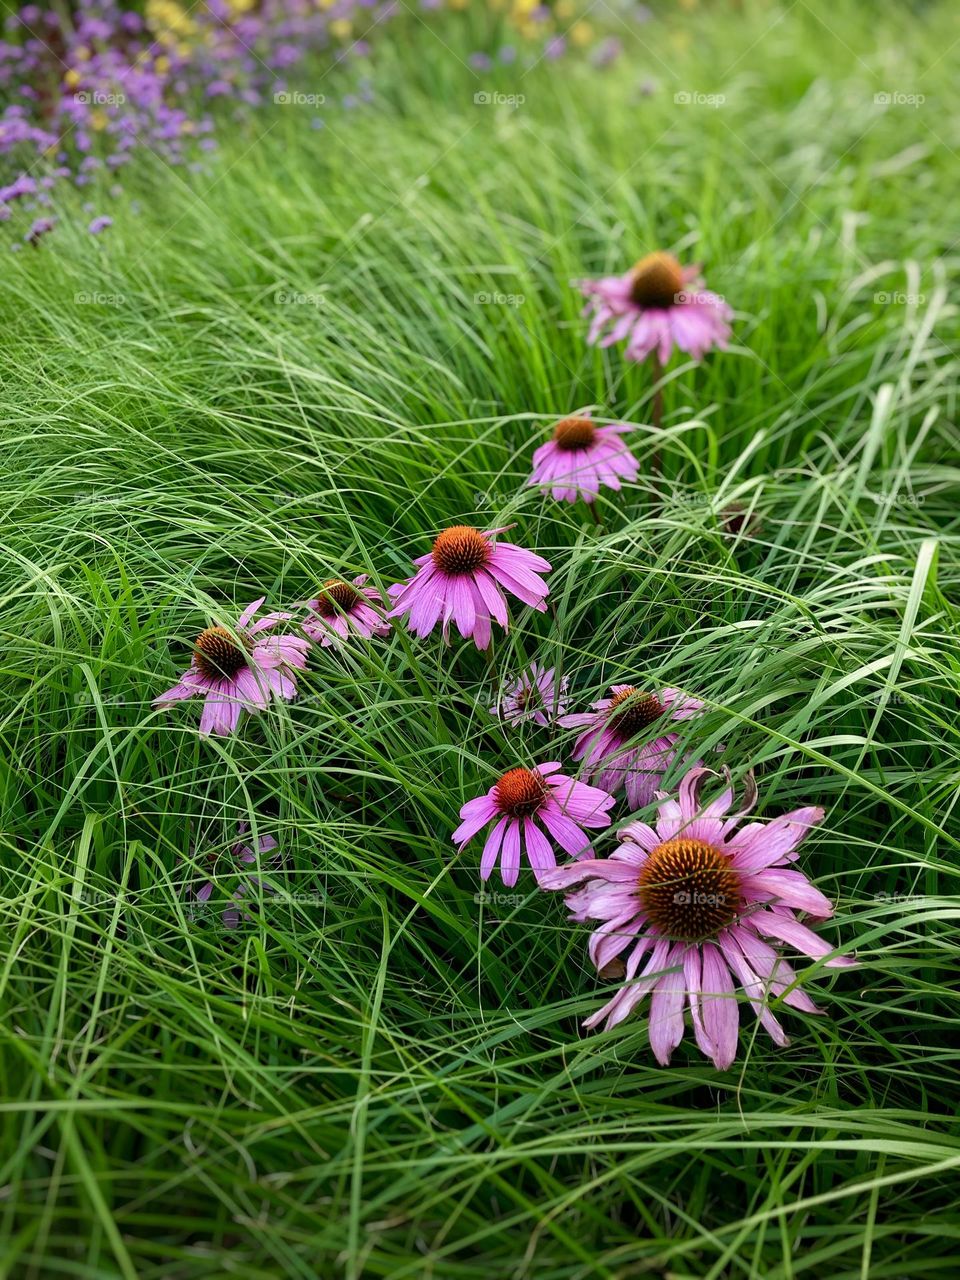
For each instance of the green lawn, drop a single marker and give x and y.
(288, 370)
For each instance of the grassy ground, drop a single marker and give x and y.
(379, 1076)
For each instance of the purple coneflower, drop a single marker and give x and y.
(534, 695)
(243, 855)
(698, 899)
(655, 307)
(580, 457)
(464, 578)
(523, 802)
(237, 669)
(607, 747)
(342, 607)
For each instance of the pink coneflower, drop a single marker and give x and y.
(523, 802)
(239, 669)
(698, 898)
(607, 747)
(344, 606)
(463, 578)
(580, 457)
(655, 307)
(242, 855)
(534, 695)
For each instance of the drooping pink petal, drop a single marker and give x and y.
(491, 850)
(718, 1007)
(510, 856)
(775, 924)
(666, 1010)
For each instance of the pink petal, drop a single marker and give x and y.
(775, 924)
(666, 1011)
(718, 1007)
(491, 850)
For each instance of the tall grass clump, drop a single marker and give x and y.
(304, 364)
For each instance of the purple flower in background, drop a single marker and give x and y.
(39, 228)
(243, 856)
(607, 52)
(105, 85)
(534, 695)
(100, 224)
(480, 61)
(555, 48)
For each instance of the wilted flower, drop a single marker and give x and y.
(533, 695)
(607, 746)
(243, 856)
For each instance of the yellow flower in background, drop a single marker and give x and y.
(168, 21)
(565, 9)
(81, 53)
(341, 28)
(71, 79)
(457, 4)
(581, 33)
(98, 120)
(162, 65)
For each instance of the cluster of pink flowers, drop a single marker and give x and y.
(695, 904)
(690, 907)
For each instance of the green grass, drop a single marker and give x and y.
(378, 1076)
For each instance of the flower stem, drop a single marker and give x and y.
(656, 465)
